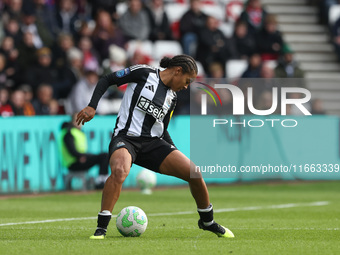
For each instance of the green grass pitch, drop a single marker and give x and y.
(265, 218)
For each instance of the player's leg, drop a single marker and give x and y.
(178, 165)
(120, 163)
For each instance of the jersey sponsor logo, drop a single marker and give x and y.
(123, 72)
(150, 87)
(150, 108)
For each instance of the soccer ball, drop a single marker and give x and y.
(131, 221)
(146, 180)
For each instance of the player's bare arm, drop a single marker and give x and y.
(85, 115)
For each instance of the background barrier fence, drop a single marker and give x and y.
(30, 150)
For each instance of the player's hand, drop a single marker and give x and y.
(85, 115)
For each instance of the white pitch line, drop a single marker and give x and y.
(270, 228)
(250, 208)
(47, 221)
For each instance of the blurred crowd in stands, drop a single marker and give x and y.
(330, 16)
(52, 52)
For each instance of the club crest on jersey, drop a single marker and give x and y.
(150, 108)
(120, 144)
(123, 72)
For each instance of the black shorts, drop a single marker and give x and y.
(145, 152)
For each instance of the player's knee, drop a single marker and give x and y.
(118, 173)
(196, 181)
(194, 177)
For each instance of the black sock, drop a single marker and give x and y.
(103, 220)
(206, 215)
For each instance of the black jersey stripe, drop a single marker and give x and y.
(159, 99)
(147, 125)
(134, 100)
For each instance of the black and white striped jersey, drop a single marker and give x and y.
(147, 103)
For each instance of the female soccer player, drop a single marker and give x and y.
(141, 137)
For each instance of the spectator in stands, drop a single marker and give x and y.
(213, 46)
(269, 39)
(27, 52)
(12, 29)
(218, 77)
(69, 73)
(160, 25)
(243, 41)
(216, 71)
(267, 72)
(17, 102)
(85, 88)
(75, 60)
(90, 55)
(2, 32)
(11, 55)
(266, 83)
(85, 29)
(45, 14)
(139, 58)
(44, 97)
(254, 15)
(135, 22)
(28, 94)
(108, 5)
(317, 108)
(84, 9)
(336, 37)
(194, 108)
(66, 17)
(42, 71)
(3, 76)
(118, 59)
(54, 107)
(292, 109)
(41, 34)
(5, 108)
(254, 67)
(64, 44)
(324, 6)
(107, 33)
(191, 24)
(265, 101)
(259, 86)
(12, 10)
(287, 67)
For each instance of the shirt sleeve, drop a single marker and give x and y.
(130, 74)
